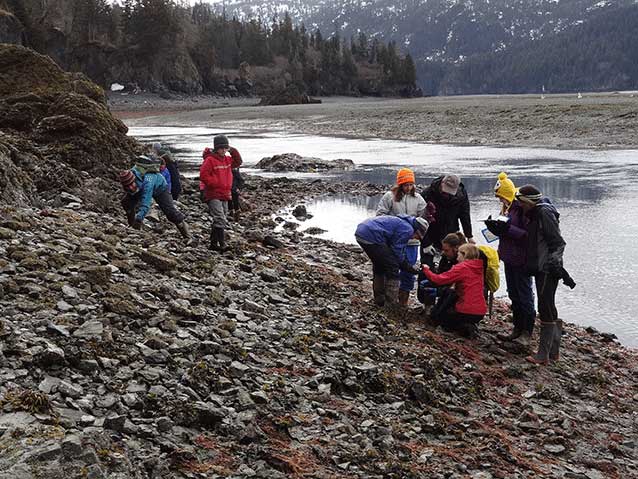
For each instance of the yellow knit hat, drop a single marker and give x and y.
(405, 175)
(505, 188)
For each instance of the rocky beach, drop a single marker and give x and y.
(129, 354)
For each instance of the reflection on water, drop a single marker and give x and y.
(596, 192)
(599, 255)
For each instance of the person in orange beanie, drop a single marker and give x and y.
(403, 199)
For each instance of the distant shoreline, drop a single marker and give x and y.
(561, 121)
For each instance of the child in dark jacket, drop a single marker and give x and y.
(468, 280)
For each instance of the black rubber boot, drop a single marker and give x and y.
(516, 332)
(554, 351)
(214, 241)
(378, 289)
(221, 239)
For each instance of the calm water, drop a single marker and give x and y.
(595, 191)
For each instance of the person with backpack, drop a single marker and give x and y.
(467, 276)
(544, 259)
(452, 205)
(385, 240)
(175, 183)
(403, 199)
(512, 250)
(427, 293)
(216, 181)
(142, 184)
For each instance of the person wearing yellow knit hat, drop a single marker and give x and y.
(512, 250)
(402, 199)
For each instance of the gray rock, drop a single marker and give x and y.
(72, 446)
(90, 329)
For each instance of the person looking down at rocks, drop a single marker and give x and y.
(403, 199)
(385, 240)
(216, 181)
(142, 184)
(448, 195)
(450, 245)
(512, 250)
(175, 183)
(544, 259)
(468, 280)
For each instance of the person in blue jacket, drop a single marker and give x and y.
(385, 239)
(144, 183)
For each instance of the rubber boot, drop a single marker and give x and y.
(214, 245)
(236, 215)
(221, 239)
(554, 351)
(130, 217)
(185, 232)
(404, 297)
(546, 336)
(516, 332)
(378, 289)
(392, 293)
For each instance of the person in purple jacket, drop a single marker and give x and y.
(385, 239)
(512, 250)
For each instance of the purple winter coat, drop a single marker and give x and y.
(512, 247)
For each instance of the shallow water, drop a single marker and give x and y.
(595, 191)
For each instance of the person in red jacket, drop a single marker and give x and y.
(216, 181)
(467, 277)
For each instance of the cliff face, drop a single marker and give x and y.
(56, 132)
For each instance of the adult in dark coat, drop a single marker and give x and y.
(545, 247)
(448, 195)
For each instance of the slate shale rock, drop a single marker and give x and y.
(295, 162)
(270, 362)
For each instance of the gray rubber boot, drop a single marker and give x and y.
(391, 292)
(554, 351)
(546, 336)
(378, 289)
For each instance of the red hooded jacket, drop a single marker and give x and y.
(215, 174)
(468, 279)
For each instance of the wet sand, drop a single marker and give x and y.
(608, 120)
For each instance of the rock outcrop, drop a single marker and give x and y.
(56, 133)
(295, 162)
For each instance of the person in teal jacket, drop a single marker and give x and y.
(144, 183)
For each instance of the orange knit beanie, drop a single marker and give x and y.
(405, 175)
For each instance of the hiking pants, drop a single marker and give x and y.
(455, 321)
(407, 279)
(218, 210)
(163, 199)
(519, 290)
(384, 261)
(546, 285)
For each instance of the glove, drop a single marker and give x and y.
(202, 196)
(137, 224)
(411, 268)
(498, 228)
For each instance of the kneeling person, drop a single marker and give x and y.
(467, 277)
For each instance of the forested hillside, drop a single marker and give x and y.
(601, 54)
(165, 45)
(489, 46)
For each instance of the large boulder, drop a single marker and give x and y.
(57, 133)
(295, 162)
